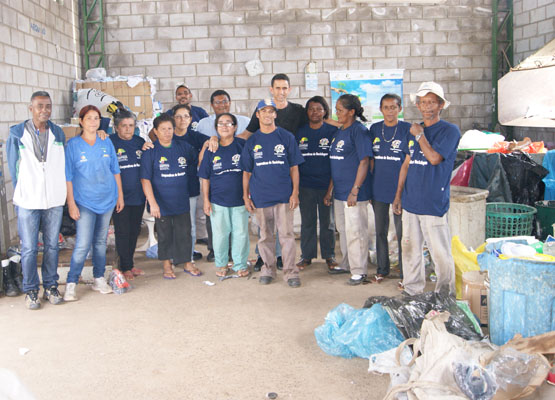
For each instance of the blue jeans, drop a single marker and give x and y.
(92, 229)
(29, 222)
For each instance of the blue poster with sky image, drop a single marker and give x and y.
(369, 86)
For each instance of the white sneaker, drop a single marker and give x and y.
(100, 285)
(69, 294)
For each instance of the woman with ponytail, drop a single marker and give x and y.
(350, 154)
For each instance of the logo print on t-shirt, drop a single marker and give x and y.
(83, 158)
(257, 151)
(376, 145)
(235, 159)
(122, 157)
(303, 143)
(139, 153)
(339, 146)
(324, 143)
(162, 164)
(395, 145)
(182, 161)
(217, 163)
(279, 150)
(411, 150)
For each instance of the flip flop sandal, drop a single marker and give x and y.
(220, 272)
(400, 286)
(169, 275)
(198, 272)
(128, 275)
(243, 273)
(137, 271)
(378, 278)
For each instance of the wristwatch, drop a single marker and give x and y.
(417, 137)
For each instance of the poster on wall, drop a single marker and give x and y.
(369, 86)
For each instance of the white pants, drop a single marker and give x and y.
(435, 231)
(352, 224)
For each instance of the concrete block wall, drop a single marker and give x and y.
(39, 50)
(206, 43)
(534, 26)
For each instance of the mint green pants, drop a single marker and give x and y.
(232, 221)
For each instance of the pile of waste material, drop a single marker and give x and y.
(432, 347)
(491, 142)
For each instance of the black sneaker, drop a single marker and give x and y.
(10, 288)
(294, 282)
(356, 280)
(258, 266)
(197, 255)
(279, 263)
(53, 295)
(265, 280)
(210, 257)
(32, 300)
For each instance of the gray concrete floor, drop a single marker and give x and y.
(183, 339)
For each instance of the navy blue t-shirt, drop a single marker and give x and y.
(390, 149)
(314, 145)
(129, 158)
(167, 168)
(269, 156)
(348, 148)
(196, 140)
(426, 190)
(223, 169)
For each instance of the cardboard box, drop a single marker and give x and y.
(137, 98)
(71, 131)
(475, 292)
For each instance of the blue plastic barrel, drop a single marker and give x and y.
(522, 297)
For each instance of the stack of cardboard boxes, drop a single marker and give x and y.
(137, 98)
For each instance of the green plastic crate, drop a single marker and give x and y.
(508, 219)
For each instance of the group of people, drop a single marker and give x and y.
(228, 166)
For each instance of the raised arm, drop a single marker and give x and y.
(431, 155)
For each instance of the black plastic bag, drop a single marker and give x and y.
(488, 173)
(68, 224)
(408, 312)
(525, 178)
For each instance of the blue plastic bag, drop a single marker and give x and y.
(349, 332)
(152, 251)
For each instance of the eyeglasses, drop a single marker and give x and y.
(218, 102)
(225, 124)
(182, 117)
